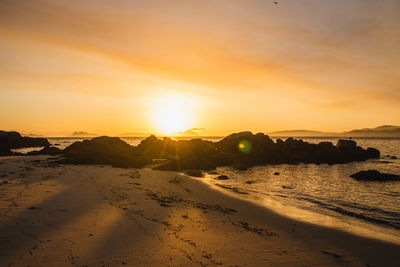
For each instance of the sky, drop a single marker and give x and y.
(119, 66)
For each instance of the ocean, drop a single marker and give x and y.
(320, 194)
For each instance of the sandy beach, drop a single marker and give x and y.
(70, 215)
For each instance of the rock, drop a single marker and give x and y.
(195, 154)
(287, 187)
(276, 173)
(48, 150)
(222, 177)
(374, 175)
(194, 173)
(372, 153)
(326, 144)
(104, 150)
(393, 157)
(383, 161)
(249, 182)
(346, 144)
(5, 150)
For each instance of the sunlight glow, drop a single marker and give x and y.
(172, 113)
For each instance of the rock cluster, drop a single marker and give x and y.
(239, 150)
(244, 150)
(11, 140)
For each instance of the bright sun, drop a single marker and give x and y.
(172, 113)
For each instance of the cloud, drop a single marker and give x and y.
(304, 50)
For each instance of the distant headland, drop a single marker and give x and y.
(381, 131)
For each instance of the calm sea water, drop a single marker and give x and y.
(321, 194)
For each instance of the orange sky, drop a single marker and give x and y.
(113, 67)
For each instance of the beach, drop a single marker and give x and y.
(81, 215)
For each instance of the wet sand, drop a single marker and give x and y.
(65, 215)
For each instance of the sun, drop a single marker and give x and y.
(172, 113)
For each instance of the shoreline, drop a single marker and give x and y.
(103, 215)
(351, 225)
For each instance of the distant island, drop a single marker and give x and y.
(83, 134)
(381, 131)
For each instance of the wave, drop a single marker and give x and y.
(368, 214)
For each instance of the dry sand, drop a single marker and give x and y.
(63, 215)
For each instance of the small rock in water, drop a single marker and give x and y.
(287, 187)
(276, 173)
(393, 157)
(374, 175)
(222, 177)
(249, 182)
(384, 161)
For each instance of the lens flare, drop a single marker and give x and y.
(244, 146)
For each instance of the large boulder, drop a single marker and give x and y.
(103, 150)
(374, 175)
(245, 149)
(245, 143)
(195, 154)
(152, 147)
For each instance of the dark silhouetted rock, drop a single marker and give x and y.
(5, 150)
(195, 154)
(374, 175)
(249, 182)
(384, 161)
(103, 150)
(372, 153)
(13, 140)
(393, 157)
(48, 150)
(222, 177)
(276, 173)
(346, 144)
(194, 173)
